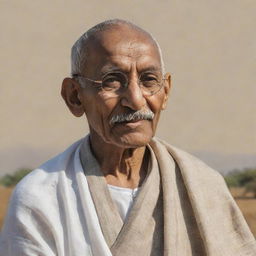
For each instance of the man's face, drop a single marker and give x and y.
(130, 52)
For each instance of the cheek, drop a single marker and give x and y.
(156, 105)
(98, 112)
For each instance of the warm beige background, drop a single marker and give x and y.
(209, 47)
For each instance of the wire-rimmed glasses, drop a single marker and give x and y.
(115, 83)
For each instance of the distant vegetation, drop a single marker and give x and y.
(239, 178)
(245, 178)
(10, 180)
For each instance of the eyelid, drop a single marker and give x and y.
(150, 74)
(113, 74)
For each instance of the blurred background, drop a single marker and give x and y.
(209, 47)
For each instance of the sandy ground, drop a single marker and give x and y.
(5, 194)
(247, 205)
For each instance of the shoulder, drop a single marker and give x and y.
(42, 182)
(189, 164)
(201, 181)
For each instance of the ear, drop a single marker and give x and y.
(70, 92)
(167, 88)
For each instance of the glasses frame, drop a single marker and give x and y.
(99, 82)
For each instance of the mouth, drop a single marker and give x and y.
(129, 121)
(132, 123)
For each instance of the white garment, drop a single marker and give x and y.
(123, 198)
(51, 212)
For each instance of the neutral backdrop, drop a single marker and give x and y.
(208, 46)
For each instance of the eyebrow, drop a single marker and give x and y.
(108, 69)
(151, 68)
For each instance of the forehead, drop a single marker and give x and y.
(122, 47)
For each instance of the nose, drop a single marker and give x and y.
(133, 97)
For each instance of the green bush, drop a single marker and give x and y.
(251, 187)
(232, 181)
(10, 180)
(241, 178)
(246, 177)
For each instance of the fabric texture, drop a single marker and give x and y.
(123, 199)
(142, 232)
(53, 211)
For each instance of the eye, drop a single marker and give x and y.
(149, 80)
(112, 82)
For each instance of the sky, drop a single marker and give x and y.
(209, 47)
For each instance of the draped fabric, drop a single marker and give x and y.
(142, 232)
(202, 218)
(183, 208)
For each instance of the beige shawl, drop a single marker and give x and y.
(183, 209)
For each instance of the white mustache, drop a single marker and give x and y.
(135, 116)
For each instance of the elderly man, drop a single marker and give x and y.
(120, 191)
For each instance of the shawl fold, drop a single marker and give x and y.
(183, 208)
(141, 233)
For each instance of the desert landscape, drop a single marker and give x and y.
(247, 205)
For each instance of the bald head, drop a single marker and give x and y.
(97, 35)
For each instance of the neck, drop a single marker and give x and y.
(123, 167)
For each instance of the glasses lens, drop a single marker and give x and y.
(113, 82)
(150, 83)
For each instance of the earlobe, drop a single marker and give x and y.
(167, 88)
(70, 92)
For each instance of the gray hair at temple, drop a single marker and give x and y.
(78, 52)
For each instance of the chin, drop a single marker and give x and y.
(132, 135)
(133, 140)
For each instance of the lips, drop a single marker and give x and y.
(130, 121)
(131, 124)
